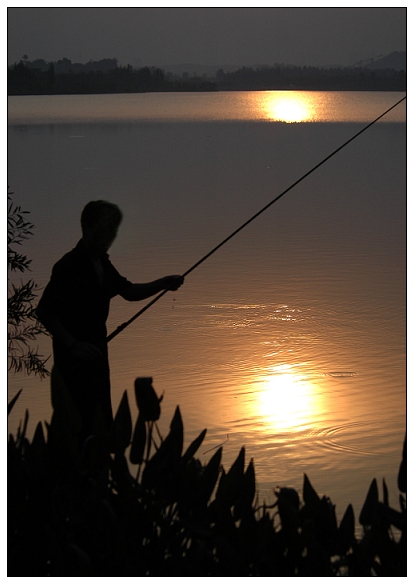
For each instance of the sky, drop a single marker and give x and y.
(230, 36)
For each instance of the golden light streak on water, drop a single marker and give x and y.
(288, 106)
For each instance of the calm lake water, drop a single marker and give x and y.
(291, 339)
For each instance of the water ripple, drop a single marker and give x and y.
(330, 438)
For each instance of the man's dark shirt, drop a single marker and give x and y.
(75, 296)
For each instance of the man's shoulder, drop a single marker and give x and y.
(73, 258)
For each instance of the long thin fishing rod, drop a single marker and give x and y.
(203, 259)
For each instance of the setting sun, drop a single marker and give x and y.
(285, 400)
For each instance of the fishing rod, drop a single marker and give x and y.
(203, 259)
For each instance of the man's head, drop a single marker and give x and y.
(100, 221)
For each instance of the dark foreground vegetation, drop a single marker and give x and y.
(135, 504)
(105, 76)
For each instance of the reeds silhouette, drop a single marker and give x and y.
(130, 503)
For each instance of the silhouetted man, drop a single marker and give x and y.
(75, 305)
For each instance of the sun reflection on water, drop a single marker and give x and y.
(287, 106)
(286, 400)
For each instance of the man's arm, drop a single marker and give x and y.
(142, 291)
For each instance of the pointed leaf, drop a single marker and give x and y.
(237, 468)
(176, 422)
(195, 445)
(221, 492)
(176, 435)
(38, 438)
(249, 486)
(346, 531)
(235, 475)
(243, 507)
(325, 523)
(122, 426)
(211, 472)
(136, 455)
(22, 434)
(230, 485)
(385, 493)
(369, 509)
(166, 462)
(310, 496)
(11, 403)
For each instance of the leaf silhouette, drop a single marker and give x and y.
(11, 403)
(147, 400)
(369, 508)
(310, 496)
(211, 472)
(138, 441)
(122, 426)
(346, 530)
(194, 446)
(230, 485)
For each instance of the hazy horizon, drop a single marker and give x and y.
(207, 37)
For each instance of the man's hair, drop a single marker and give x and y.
(94, 211)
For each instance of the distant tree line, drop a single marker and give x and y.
(312, 78)
(63, 77)
(106, 76)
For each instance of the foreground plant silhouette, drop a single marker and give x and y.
(81, 511)
(22, 325)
